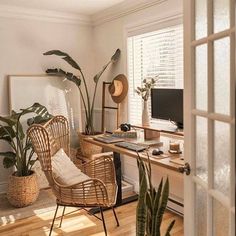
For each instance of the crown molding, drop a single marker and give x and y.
(16, 12)
(122, 9)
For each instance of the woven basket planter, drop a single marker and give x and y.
(88, 149)
(22, 191)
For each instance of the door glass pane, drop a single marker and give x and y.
(201, 148)
(200, 19)
(222, 157)
(200, 211)
(222, 75)
(201, 77)
(221, 15)
(220, 219)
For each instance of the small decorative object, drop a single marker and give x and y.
(125, 134)
(118, 88)
(174, 147)
(144, 92)
(22, 186)
(88, 102)
(152, 203)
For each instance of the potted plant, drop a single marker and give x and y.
(87, 101)
(144, 92)
(22, 185)
(152, 203)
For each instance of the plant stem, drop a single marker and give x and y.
(82, 96)
(87, 94)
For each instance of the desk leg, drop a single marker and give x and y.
(117, 164)
(119, 200)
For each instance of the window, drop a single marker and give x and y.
(150, 54)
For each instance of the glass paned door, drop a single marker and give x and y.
(209, 94)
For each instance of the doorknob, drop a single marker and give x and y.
(185, 169)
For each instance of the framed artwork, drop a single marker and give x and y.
(60, 97)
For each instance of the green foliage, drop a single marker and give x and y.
(151, 203)
(87, 103)
(11, 131)
(144, 91)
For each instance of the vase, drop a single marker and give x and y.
(145, 114)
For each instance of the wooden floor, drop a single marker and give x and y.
(81, 224)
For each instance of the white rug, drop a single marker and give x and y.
(9, 214)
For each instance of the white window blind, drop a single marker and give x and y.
(150, 54)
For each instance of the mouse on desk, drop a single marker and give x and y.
(156, 152)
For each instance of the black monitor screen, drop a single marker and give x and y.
(167, 104)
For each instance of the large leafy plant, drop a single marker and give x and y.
(152, 203)
(88, 103)
(12, 132)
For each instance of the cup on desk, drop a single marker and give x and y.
(174, 147)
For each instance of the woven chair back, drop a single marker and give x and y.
(47, 139)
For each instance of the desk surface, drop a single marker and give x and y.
(161, 160)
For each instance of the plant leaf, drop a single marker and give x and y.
(8, 120)
(31, 162)
(116, 55)
(9, 159)
(67, 75)
(114, 58)
(162, 204)
(8, 162)
(40, 110)
(65, 57)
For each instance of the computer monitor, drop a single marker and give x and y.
(167, 104)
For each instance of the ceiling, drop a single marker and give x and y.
(86, 7)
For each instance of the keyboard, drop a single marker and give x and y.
(131, 146)
(108, 139)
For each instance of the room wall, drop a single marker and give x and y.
(22, 43)
(111, 34)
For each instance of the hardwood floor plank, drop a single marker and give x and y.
(81, 224)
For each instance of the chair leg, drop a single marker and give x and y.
(117, 221)
(53, 220)
(62, 216)
(103, 221)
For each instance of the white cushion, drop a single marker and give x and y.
(64, 170)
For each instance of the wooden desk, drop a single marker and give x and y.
(155, 160)
(163, 161)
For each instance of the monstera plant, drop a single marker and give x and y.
(152, 203)
(87, 101)
(22, 187)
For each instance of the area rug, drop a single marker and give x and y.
(9, 214)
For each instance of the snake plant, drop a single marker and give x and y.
(152, 203)
(12, 132)
(86, 100)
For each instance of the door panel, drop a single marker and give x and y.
(209, 117)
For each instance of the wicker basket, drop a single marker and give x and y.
(88, 149)
(22, 191)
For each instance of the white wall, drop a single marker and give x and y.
(22, 43)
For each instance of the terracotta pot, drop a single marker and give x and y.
(22, 191)
(88, 149)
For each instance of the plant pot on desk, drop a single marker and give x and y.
(88, 149)
(22, 190)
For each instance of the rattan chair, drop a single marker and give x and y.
(100, 190)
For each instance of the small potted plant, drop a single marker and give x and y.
(88, 102)
(144, 92)
(22, 185)
(152, 202)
